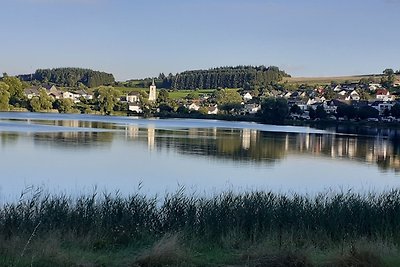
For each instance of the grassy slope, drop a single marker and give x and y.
(328, 80)
(179, 94)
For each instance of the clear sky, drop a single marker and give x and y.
(141, 38)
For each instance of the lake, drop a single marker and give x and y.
(76, 154)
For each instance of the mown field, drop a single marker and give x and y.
(328, 80)
(228, 229)
(178, 94)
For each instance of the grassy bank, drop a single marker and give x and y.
(246, 229)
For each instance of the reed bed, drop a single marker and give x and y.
(330, 217)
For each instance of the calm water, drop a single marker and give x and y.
(76, 153)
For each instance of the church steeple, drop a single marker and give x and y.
(153, 92)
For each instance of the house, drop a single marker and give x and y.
(287, 94)
(212, 110)
(337, 88)
(50, 89)
(133, 97)
(135, 108)
(251, 108)
(56, 95)
(374, 86)
(315, 100)
(84, 94)
(31, 92)
(301, 104)
(332, 105)
(384, 95)
(68, 95)
(247, 97)
(353, 95)
(194, 106)
(381, 106)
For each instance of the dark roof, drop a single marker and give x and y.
(32, 90)
(134, 93)
(47, 86)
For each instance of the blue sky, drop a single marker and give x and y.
(141, 38)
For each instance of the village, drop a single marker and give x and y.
(353, 101)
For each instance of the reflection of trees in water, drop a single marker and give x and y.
(8, 139)
(251, 145)
(224, 144)
(75, 140)
(75, 124)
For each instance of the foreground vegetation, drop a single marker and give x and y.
(246, 229)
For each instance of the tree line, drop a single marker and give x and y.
(225, 77)
(70, 77)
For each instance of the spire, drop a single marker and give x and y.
(153, 84)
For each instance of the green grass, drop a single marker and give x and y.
(180, 94)
(127, 90)
(187, 230)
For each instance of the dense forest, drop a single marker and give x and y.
(225, 77)
(70, 77)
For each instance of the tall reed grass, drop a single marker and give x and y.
(326, 217)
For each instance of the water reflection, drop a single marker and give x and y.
(264, 147)
(8, 139)
(73, 140)
(248, 146)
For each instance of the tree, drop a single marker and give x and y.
(245, 77)
(72, 77)
(274, 110)
(366, 112)
(346, 111)
(182, 110)
(64, 105)
(320, 112)
(190, 96)
(225, 96)
(295, 109)
(164, 107)
(16, 90)
(329, 94)
(388, 72)
(363, 81)
(163, 96)
(228, 99)
(395, 110)
(312, 113)
(4, 86)
(4, 97)
(34, 104)
(46, 102)
(389, 78)
(107, 98)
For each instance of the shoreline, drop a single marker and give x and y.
(316, 124)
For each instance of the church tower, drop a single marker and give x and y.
(153, 92)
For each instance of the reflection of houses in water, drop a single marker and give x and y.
(131, 131)
(151, 137)
(71, 123)
(377, 151)
(193, 132)
(248, 137)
